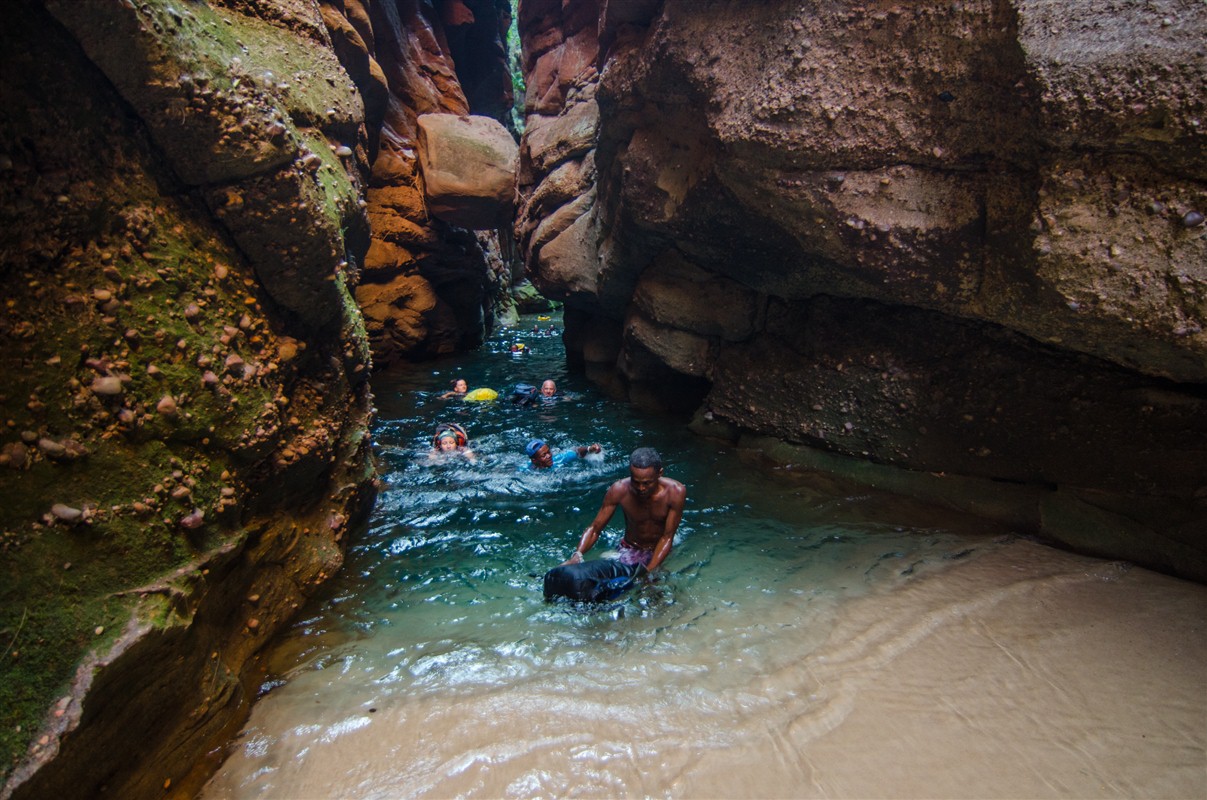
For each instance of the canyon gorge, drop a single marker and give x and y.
(954, 250)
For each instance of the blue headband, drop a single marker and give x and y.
(533, 446)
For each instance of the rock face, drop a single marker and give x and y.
(951, 238)
(186, 388)
(186, 195)
(428, 284)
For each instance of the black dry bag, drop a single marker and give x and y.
(590, 581)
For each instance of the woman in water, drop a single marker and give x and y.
(460, 389)
(451, 439)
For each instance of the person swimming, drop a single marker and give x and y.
(460, 389)
(451, 439)
(540, 457)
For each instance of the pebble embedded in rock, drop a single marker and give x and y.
(166, 405)
(107, 385)
(1193, 219)
(66, 513)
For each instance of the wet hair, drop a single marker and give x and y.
(645, 457)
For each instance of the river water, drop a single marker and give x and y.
(803, 641)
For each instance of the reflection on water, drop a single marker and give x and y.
(433, 668)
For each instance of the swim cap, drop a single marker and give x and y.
(446, 435)
(533, 446)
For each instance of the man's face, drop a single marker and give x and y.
(643, 481)
(543, 458)
(548, 388)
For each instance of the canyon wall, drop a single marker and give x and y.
(427, 287)
(193, 198)
(962, 242)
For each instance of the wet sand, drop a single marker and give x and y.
(1019, 671)
(1023, 673)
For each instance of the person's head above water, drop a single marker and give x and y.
(645, 470)
(646, 457)
(460, 386)
(450, 436)
(539, 452)
(548, 388)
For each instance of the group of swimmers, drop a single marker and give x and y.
(452, 439)
(652, 504)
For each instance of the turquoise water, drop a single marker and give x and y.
(432, 667)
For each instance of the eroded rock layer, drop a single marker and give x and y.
(955, 238)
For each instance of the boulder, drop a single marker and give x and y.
(469, 168)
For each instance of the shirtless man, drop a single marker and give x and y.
(652, 505)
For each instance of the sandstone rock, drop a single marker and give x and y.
(677, 294)
(680, 350)
(548, 141)
(469, 168)
(1027, 187)
(568, 262)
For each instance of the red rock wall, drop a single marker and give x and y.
(426, 288)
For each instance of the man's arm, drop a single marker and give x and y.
(675, 504)
(591, 534)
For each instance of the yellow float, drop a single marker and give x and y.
(481, 395)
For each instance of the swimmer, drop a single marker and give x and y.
(541, 457)
(518, 348)
(549, 393)
(653, 507)
(460, 389)
(451, 439)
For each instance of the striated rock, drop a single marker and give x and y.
(408, 62)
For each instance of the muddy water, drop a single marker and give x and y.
(803, 642)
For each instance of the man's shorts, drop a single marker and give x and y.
(630, 555)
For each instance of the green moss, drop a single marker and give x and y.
(516, 68)
(43, 637)
(108, 275)
(59, 582)
(237, 52)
